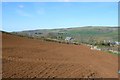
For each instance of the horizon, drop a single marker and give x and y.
(20, 16)
(63, 28)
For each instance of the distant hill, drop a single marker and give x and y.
(86, 34)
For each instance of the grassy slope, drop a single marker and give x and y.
(80, 33)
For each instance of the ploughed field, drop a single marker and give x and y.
(32, 58)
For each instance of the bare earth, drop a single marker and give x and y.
(23, 58)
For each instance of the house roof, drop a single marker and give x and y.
(68, 38)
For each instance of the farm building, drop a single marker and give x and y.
(69, 39)
(114, 43)
(117, 43)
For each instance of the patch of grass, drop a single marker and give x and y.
(113, 53)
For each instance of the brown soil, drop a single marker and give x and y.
(23, 58)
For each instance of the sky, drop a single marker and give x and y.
(60, 0)
(18, 16)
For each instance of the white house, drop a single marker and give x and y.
(69, 39)
(117, 43)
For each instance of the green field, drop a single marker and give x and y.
(89, 34)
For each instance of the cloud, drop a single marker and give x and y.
(40, 11)
(21, 6)
(20, 11)
(23, 13)
(66, 0)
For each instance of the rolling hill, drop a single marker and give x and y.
(87, 34)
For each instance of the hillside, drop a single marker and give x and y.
(81, 34)
(31, 58)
